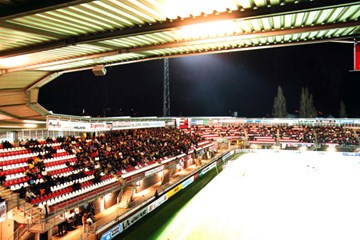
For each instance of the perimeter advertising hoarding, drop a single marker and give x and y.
(63, 125)
(175, 190)
(107, 235)
(187, 182)
(134, 218)
(226, 156)
(157, 202)
(137, 124)
(183, 123)
(344, 121)
(66, 125)
(116, 230)
(205, 170)
(112, 232)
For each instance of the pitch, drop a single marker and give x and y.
(275, 196)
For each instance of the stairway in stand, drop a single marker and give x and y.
(26, 213)
(126, 197)
(9, 196)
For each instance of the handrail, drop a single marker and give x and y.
(87, 231)
(19, 232)
(76, 201)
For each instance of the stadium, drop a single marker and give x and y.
(120, 177)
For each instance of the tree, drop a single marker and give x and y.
(279, 107)
(311, 111)
(303, 97)
(342, 110)
(307, 108)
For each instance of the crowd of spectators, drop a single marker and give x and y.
(106, 154)
(260, 131)
(116, 151)
(336, 135)
(301, 134)
(320, 134)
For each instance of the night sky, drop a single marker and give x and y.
(214, 85)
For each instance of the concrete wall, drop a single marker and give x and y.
(7, 227)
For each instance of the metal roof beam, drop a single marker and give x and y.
(22, 28)
(13, 105)
(248, 36)
(8, 114)
(288, 8)
(270, 33)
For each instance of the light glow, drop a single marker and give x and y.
(172, 8)
(33, 121)
(331, 149)
(107, 197)
(30, 125)
(303, 148)
(211, 29)
(14, 61)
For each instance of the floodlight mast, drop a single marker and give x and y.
(166, 96)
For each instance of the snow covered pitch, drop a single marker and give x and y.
(276, 196)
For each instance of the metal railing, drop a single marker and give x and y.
(20, 231)
(50, 221)
(45, 223)
(88, 231)
(134, 205)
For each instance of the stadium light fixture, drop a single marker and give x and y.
(107, 197)
(303, 148)
(253, 146)
(99, 70)
(33, 121)
(15, 61)
(275, 147)
(30, 125)
(331, 149)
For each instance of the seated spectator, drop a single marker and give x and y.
(29, 195)
(2, 176)
(7, 144)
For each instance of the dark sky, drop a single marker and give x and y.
(214, 85)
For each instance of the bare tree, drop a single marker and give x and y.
(307, 108)
(342, 110)
(279, 107)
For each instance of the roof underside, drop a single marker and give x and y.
(42, 39)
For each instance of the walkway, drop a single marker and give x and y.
(113, 212)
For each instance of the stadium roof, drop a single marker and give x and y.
(40, 40)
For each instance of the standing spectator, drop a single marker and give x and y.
(70, 220)
(61, 225)
(44, 209)
(84, 218)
